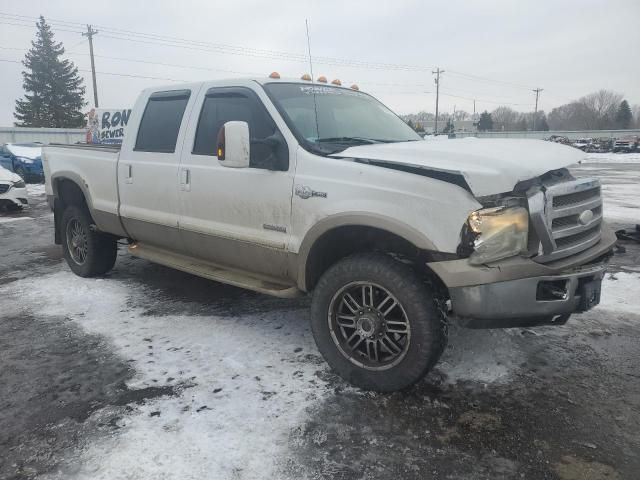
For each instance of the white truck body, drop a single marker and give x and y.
(277, 228)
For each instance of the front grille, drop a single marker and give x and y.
(574, 198)
(4, 187)
(568, 219)
(578, 238)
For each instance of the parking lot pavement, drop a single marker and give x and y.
(152, 373)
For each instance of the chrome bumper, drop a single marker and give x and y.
(529, 301)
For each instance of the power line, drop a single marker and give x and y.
(164, 40)
(115, 74)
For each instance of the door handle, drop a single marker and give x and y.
(185, 179)
(129, 177)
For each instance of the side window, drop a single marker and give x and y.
(225, 105)
(160, 124)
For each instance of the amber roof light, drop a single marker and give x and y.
(322, 79)
(354, 87)
(336, 82)
(306, 77)
(274, 75)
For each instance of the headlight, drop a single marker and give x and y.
(500, 232)
(26, 160)
(19, 184)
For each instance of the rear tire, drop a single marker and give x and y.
(381, 348)
(87, 252)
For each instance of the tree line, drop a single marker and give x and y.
(601, 110)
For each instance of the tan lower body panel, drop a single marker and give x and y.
(201, 268)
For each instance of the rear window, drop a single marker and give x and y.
(161, 121)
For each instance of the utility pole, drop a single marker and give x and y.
(90, 33)
(535, 115)
(437, 80)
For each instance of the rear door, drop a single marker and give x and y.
(237, 217)
(148, 167)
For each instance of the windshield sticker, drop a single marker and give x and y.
(318, 90)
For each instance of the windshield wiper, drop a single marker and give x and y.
(361, 140)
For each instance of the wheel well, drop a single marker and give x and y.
(67, 193)
(343, 241)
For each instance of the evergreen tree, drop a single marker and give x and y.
(486, 122)
(54, 92)
(623, 115)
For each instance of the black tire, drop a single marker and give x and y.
(100, 250)
(427, 324)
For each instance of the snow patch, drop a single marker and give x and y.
(35, 189)
(13, 219)
(252, 378)
(611, 157)
(621, 293)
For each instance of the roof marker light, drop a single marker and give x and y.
(336, 82)
(322, 79)
(306, 77)
(354, 87)
(274, 75)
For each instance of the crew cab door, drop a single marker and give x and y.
(236, 217)
(148, 168)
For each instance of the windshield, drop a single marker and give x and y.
(28, 151)
(345, 117)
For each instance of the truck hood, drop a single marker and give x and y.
(489, 166)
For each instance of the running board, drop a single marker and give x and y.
(209, 270)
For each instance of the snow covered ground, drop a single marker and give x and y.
(252, 398)
(611, 157)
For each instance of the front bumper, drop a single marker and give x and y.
(525, 301)
(507, 293)
(15, 196)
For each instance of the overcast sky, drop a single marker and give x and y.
(568, 48)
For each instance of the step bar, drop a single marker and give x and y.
(205, 269)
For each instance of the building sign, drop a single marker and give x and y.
(107, 125)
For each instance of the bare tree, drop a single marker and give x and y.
(504, 119)
(599, 109)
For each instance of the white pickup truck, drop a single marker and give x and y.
(291, 186)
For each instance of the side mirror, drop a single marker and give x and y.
(234, 147)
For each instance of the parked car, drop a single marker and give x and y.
(13, 191)
(559, 139)
(601, 145)
(287, 187)
(627, 144)
(582, 144)
(25, 159)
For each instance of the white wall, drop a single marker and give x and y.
(43, 135)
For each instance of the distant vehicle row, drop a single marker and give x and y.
(626, 144)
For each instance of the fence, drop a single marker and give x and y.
(43, 135)
(573, 135)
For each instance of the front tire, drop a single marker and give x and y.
(376, 322)
(87, 252)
